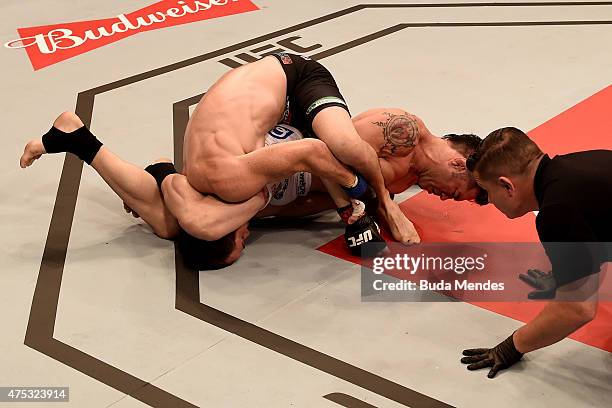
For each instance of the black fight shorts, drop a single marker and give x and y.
(310, 89)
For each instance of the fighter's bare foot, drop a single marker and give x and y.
(66, 122)
(32, 151)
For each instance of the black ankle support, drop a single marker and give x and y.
(160, 171)
(80, 142)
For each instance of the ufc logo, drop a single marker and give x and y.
(362, 238)
(284, 45)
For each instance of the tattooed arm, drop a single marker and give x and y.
(392, 132)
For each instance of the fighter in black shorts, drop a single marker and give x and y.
(573, 194)
(224, 152)
(223, 140)
(310, 88)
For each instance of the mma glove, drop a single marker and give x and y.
(498, 358)
(544, 283)
(361, 232)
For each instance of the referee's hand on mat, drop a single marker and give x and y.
(498, 358)
(544, 283)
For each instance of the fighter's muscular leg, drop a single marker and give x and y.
(238, 178)
(204, 216)
(133, 185)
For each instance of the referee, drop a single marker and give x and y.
(573, 194)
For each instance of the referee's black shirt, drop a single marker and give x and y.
(574, 193)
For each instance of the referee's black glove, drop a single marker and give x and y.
(545, 284)
(498, 358)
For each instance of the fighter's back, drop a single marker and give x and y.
(236, 112)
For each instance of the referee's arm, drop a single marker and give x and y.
(573, 263)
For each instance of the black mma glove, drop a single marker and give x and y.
(361, 232)
(499, 357)
(545, 284)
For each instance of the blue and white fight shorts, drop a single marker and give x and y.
(287, 190)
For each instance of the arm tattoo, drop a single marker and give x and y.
(399, 131)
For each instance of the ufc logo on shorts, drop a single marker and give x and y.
(362, 238)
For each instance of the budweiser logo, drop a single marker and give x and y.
(47, 45)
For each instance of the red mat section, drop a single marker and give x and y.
(585, 126)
